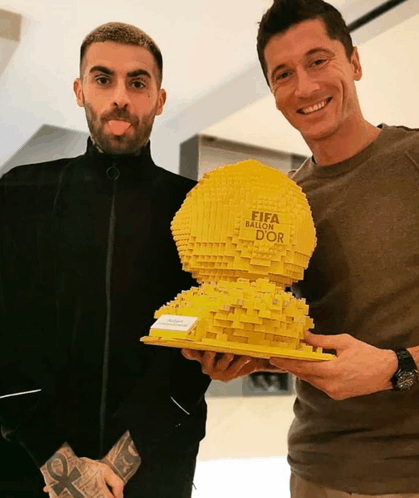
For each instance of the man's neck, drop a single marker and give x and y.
(344, 144)
(96, 146)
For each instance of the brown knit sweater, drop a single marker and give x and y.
(363, 280)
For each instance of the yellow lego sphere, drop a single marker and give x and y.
(245, 220)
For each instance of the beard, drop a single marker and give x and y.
(126, 144)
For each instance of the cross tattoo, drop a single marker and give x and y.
(64, 481)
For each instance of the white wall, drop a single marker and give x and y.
(244, 478)
(47, 144)
(247, 427)
(214, 153)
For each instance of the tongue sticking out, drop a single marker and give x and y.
(118, 127)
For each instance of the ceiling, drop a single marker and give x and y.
(208, 47)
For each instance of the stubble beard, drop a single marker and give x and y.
(127, 144)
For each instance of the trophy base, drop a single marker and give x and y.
(240, 349)
(243, 317)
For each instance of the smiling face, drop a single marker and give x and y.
(121, 95)
(313, 81)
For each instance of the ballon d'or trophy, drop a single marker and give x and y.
(245, 232)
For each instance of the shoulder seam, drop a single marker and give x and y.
(409, 156)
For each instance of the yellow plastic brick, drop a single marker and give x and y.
(245, 232)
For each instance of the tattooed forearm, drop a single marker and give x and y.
(123, 458)
(68, 476)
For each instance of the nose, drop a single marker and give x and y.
(306, 84)
(120, 95)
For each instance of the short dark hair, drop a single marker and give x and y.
(286, 13)
(126, 34)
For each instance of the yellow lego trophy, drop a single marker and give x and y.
(245, 232)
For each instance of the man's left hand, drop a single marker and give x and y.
(359, 368)
(228, 366)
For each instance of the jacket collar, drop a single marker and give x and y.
(141, 165)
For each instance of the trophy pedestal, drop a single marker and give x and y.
(255, 319)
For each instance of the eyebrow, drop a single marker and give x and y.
(110, 72)
(319, 49)
(313, 51)
(101, 69)
(139, 72)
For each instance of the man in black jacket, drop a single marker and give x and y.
(86, 258)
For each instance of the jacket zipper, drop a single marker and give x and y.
(113, 174)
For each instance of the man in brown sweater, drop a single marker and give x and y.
(356, 427)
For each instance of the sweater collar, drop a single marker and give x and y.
(351, 163)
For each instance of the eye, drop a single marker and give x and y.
(319, 62)
(102, 80)
(282, 76)
(138, 84)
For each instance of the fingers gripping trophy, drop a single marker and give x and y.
(245, 232)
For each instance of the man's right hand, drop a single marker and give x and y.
(227, 366)
(68, 476)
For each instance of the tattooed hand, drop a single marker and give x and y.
(68, 476)
(123, 458)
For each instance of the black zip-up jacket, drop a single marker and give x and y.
(87, 256)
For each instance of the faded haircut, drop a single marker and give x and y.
(126, 34)
(284, 14)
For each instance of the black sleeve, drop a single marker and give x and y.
(30, 385)
(170, 395)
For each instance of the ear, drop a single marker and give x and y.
(161, 100)
(356, 64)
(78, 91)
